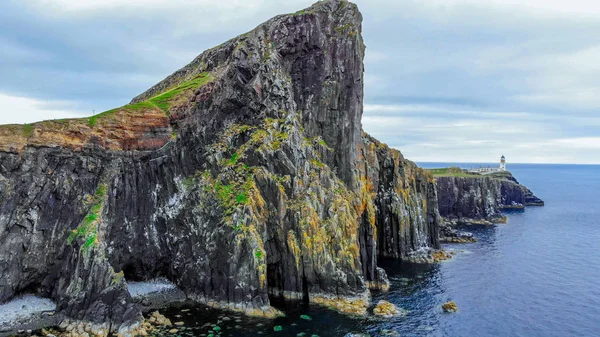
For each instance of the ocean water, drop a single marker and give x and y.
(537, 275)
(23, 307)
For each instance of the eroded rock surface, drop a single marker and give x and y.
(450, 307)
(244, 175)
(480, 199)
(387, 310)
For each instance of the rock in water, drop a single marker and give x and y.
(390, 333)
(386, 309)
(306, 317)
(381, 281)
(450, 307)
(440, 255)
(246, 171)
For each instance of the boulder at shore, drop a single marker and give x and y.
(386, 309)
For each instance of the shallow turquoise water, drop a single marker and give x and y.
(537, 275)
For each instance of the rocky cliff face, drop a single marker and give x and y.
(241, 176)
(479, 199)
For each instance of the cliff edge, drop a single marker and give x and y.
(479, 199)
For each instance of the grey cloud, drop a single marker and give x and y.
(470, 70)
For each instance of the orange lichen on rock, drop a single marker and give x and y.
(385, 309)
(450, 306)
(352, 306)
(132, 127)
(440, 255)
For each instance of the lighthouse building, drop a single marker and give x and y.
(490, 169)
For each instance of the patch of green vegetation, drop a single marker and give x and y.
(268, 45)
(449, 172)
(238, 226)
(231, 190)
(274, 130)
(277, 328)
(317, 141)
(224, 192)
(90, 241)
(188, 182)
(234, 184)
(259, 136)
(242, 198)
(81, 231)
(164, 100)
(139, 106)
(88, 229)
(317, 163)
(93, 120)
(306, 317)
(344, 27)
(27, 130)
(233, 195)
(303, 12)
(233, 160)
(101, 191)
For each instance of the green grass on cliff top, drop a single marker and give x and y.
(162, 101)
(93, 120)
(450, 172)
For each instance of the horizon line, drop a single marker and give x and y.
(478, 162)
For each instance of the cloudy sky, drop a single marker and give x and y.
(446, 80)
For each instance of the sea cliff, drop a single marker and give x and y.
(242, 176)
(473, 198)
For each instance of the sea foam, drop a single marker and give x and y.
(138, 289)
(23, 307)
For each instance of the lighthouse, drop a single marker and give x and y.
(502, 163)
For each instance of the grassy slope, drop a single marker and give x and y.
(458, 172)
(450, 172)
(163, 101)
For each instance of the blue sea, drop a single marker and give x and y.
(537, 275)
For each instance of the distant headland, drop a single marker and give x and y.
(477, 196)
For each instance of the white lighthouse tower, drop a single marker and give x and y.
(502, 163)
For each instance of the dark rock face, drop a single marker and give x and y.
(267, 187)
(480, 199)
(405, 201)
(513, 194)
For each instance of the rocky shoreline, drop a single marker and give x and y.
(158, 295)
(27, 324)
